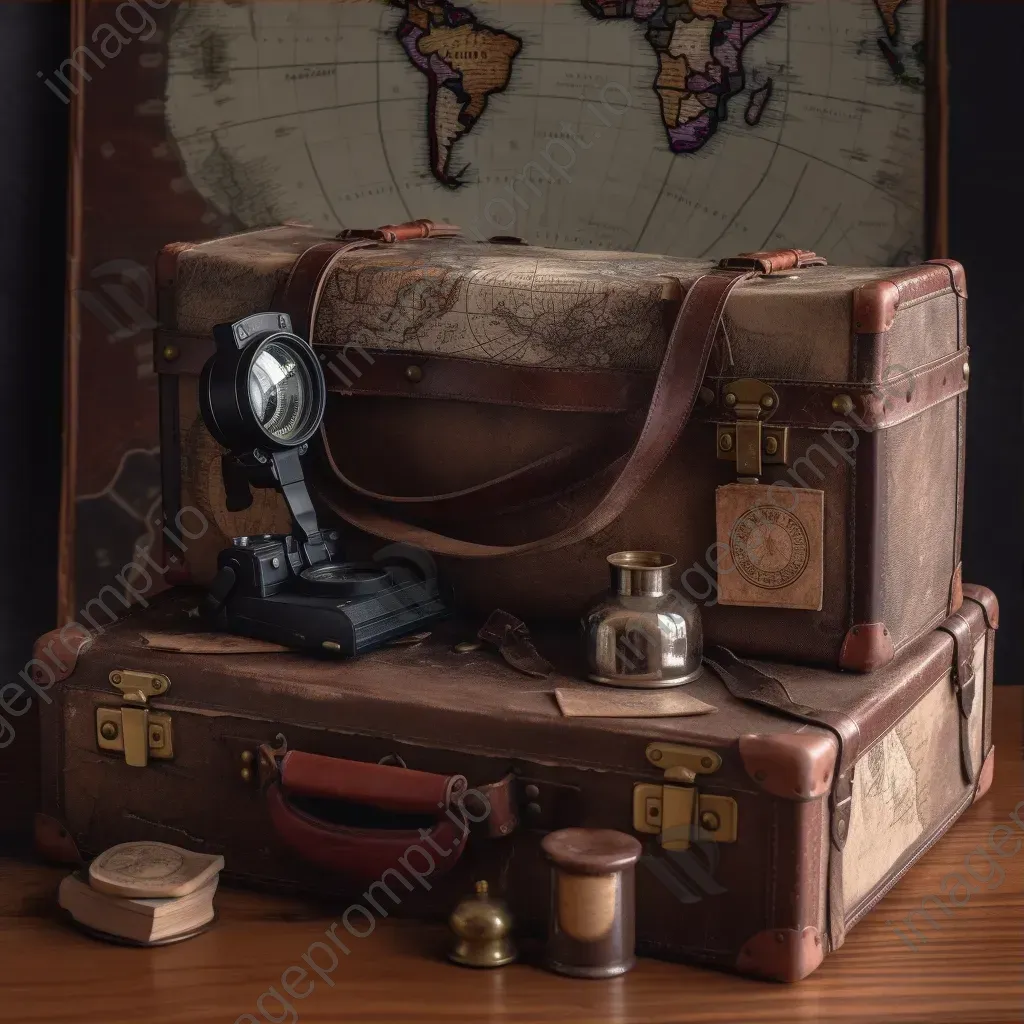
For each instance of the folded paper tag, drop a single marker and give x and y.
(209, 643)
(603, 703)
(512, 638)
(770, 545)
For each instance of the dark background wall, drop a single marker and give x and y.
(987, 175)
(33, 176)
(986, 233)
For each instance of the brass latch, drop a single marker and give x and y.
(749, 442)
(678, 813)
(133, 728)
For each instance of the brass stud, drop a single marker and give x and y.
(771, 445)
(109, 731)
(414, 373)
(158, 684)
(710, 822)
(156, 737)
(725, 442)
(246, 774)
(246, 757)
(655, 754)
(467, 646)
(331, 645)
(170, 353)
(842, 404)
(115, 678)
(767, 401)
(706, 762)
(967, 371)
(730, 398)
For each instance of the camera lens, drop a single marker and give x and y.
(279, 391)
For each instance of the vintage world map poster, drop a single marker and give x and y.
(690, 127)
(686, 127)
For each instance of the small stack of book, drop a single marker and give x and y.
(144, 893)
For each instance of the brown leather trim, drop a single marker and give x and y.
(864, 518)
(52, 841)
(956, 591)
(867, 646)
(794, 766)
(986, 775)
(782, 954)
(502, 806)
(875, 304)
(167, 262)
(987, 600)
(957, 277)
(472, 380)
(801, 403)
(58, 653)
(874, 307)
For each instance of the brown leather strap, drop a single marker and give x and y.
(300, 294)
(748, 683)
(527, 484)
(774, 261)
(406, 232)
(679, 378)
(963, 686)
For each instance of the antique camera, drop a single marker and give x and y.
(262, 396)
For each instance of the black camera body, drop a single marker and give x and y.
(262, 396)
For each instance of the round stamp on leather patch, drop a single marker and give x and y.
(769, 547)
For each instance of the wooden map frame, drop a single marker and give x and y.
(122, 166)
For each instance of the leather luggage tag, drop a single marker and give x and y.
(771, 541)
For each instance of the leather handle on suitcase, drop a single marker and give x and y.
(406, 232)
(363, 854)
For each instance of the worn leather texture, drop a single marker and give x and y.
(891, 468)
(446, 713)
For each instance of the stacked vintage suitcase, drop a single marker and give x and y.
(521, 413)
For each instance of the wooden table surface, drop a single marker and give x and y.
(970, 970)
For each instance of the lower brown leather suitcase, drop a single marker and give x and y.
(770, 827)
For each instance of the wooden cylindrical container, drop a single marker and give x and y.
(592, 932)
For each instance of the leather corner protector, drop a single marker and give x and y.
(957, 277)
(874, 307)
(867, 646)
(956, 590)
(61, 663)
(782, 954)
(53, 842)
(167, 261)
(986, 775)
(988, 601)
(794, 766)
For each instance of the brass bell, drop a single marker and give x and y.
(483, 928)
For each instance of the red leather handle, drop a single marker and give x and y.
(362, 854)
(379, 785)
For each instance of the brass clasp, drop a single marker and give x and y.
(133, 729)
(678, 813)
(747, 442)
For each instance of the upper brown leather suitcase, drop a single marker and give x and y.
(770, 827)
(520, 412)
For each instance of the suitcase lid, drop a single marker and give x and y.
(506, 302)
(429, 694)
